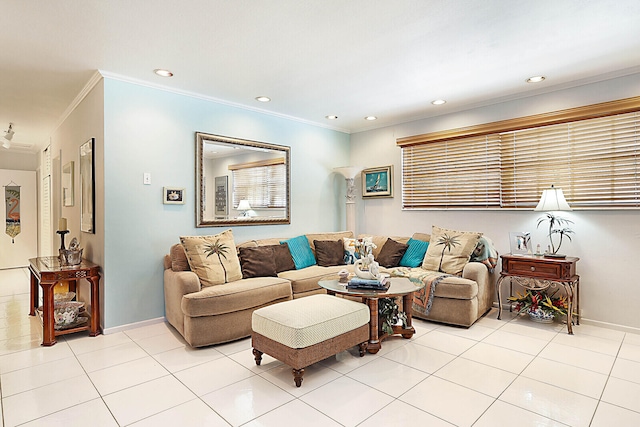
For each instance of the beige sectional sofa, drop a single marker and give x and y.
(206, 315)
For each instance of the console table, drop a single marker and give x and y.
(539, 273)
(45, 273)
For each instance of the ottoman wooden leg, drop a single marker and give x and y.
(257, 355)
(297, 376)
(363, 348)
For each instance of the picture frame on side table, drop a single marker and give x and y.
(173, 195)
(87, 185)
(377, 182)
(520, 243)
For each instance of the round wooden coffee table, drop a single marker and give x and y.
(400, 287)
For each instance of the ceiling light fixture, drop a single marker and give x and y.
(263, 98)
(331, 117)
(163, 73)
(438, 102)
(535, 79)
(370, 118)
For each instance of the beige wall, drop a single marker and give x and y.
(605, 241)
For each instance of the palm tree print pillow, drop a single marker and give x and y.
(449, 250)
(213, 258)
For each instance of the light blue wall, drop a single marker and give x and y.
(151, 130)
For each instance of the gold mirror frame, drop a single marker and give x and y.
(203, 194)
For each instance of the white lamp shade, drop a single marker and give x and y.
(244, 205)
(348, 172)
(552, 200)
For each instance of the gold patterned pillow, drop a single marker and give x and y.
(213, 258)
(449, 250)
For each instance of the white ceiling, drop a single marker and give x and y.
(351, 58)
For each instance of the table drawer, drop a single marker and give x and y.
(537, 269)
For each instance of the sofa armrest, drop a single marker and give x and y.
(176, 285)
(180, 283)
(476, 271)
(479, 273)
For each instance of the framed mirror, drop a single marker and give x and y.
(87, 183)
(241, 182)
(67, 185)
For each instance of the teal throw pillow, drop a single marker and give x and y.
(414, 255)
(300, 252)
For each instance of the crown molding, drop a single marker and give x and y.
(195, 95)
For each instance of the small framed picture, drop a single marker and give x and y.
(173, 196)
(377, 182)
(520, 243)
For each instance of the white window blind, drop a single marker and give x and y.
(264, 186)
(595, 160)
(459, 173)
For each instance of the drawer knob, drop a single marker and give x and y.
(533, 268)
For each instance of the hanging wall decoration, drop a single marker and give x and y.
(12, 201)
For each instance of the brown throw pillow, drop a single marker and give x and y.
(258, 262)
(329, 252)
(391, 253)
(284, 261)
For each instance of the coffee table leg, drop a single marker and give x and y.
(374, 341)
(407, 303)
(49, 334)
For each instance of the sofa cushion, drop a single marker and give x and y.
(349, 245)
(213, 258)
(391, 253)
(329, 252)
(306, 280)
(414, 255)
(422, 236)
(179, 261)
(300, 252)
(258, 262)
(235, 296)
(449, 250)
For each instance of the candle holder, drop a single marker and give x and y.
(61, 251)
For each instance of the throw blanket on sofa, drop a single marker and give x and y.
(485, 253)
(422, 299)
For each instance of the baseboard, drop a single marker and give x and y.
(586, 321)
(129, 326)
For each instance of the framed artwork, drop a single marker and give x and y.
(67, 185)
(221, 196)
(173, 195)
(520, 243)
(377, 182)
(87, 185)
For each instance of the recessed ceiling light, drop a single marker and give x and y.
(331, 117)
(263, 98)
(438, 102)
(370, 118)
(163, 73)
(535, 79)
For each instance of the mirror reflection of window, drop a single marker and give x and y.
(231, 170)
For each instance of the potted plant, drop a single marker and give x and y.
(556, 226)
(389, 314)
(540, 306)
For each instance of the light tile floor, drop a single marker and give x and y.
(496, 373)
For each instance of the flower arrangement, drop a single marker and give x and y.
(536, 301)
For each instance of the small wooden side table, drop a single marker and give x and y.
(538, 272)
(46, 272)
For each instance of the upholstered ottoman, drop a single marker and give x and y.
(304, 331)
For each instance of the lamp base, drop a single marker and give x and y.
(557, 256)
